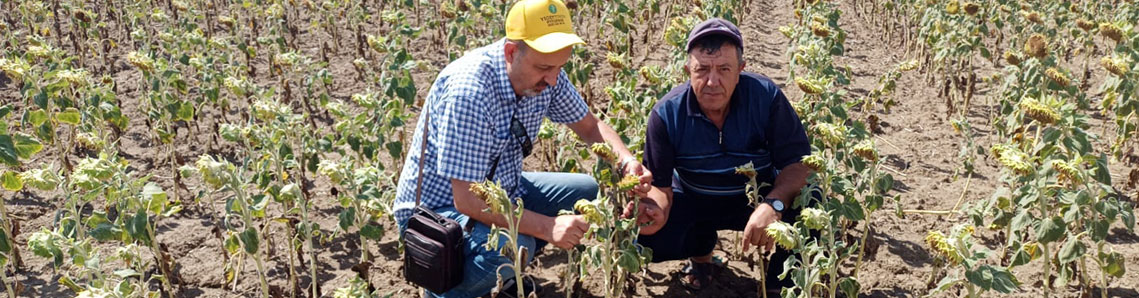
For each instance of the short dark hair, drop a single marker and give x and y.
(522, 46)
(711, 44)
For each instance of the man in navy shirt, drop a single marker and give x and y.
(698, 134)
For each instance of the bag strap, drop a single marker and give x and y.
(422, 152)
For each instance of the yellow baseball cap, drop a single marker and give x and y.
(543, 24)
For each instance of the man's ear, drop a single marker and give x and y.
(509, 50)
(743, 64)
(686, 70)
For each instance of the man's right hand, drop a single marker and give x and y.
(568, 230)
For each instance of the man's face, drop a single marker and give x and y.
(531, 71)
(714, 76)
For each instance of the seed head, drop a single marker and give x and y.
(142, 62)
(1039, 111)
(784, 234)
(815, 219)
(615, 60)
(1111, 31)
(1069, 174)
(942, 246)
(820, 30)
(1012, 58)
(1085, 25)
(747, 169)
(1115, 66)
(1036, 46)
(589, 209)
(1057, 76)
(831, 134)
(1014, 159)
(808, 86)
(605, 152)
(495, 197)
(628, 182)
(865, 149)
(815, 162)
(214, 172)
(972, 8)
(953, 7)
(1034, 17)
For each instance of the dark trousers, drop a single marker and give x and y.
(692, 225)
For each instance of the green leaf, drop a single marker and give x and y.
(154, 197)
(1113, 264)
(1101, 173)
(185, 111)
(372, 231)
(4, 110)
(11, 181)
(849, 286)
(8, 151)
(69, 116)
(106, 232)
(26, 145)
(5, 246)
(993, 278)
(232, 244)
(37, 117)
(1050, 230)
(347, 217)
(1072, 250)
(137, 227)
(250, 240)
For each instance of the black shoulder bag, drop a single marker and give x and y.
(433, 254)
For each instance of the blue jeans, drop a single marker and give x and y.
(546, 193)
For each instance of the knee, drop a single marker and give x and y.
(582, 185)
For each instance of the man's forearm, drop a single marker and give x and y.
(788, 183)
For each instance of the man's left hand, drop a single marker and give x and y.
(634, 167)
(755, 232)
(650, 216)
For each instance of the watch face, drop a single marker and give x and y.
(777, 205)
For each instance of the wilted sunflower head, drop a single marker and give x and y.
(628, 182)
(865, 150)
(815, 162)
(1116, 66)
(1085, 25)
(747, 169)
(1014, 159)
(785, 235)
(603, 151)
(807, 86)
(1012, 58)
(1057, 76)
(972, 8)
(1111, 31)
(815, 219)
(1036, 46)
(1042, 112)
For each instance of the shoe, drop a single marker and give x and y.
(698, 276)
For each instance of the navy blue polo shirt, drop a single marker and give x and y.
(686, 151)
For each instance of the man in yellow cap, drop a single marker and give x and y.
(481, 114)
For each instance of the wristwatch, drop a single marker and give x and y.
(776, 204)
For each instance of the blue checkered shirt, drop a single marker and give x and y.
(471, 105)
